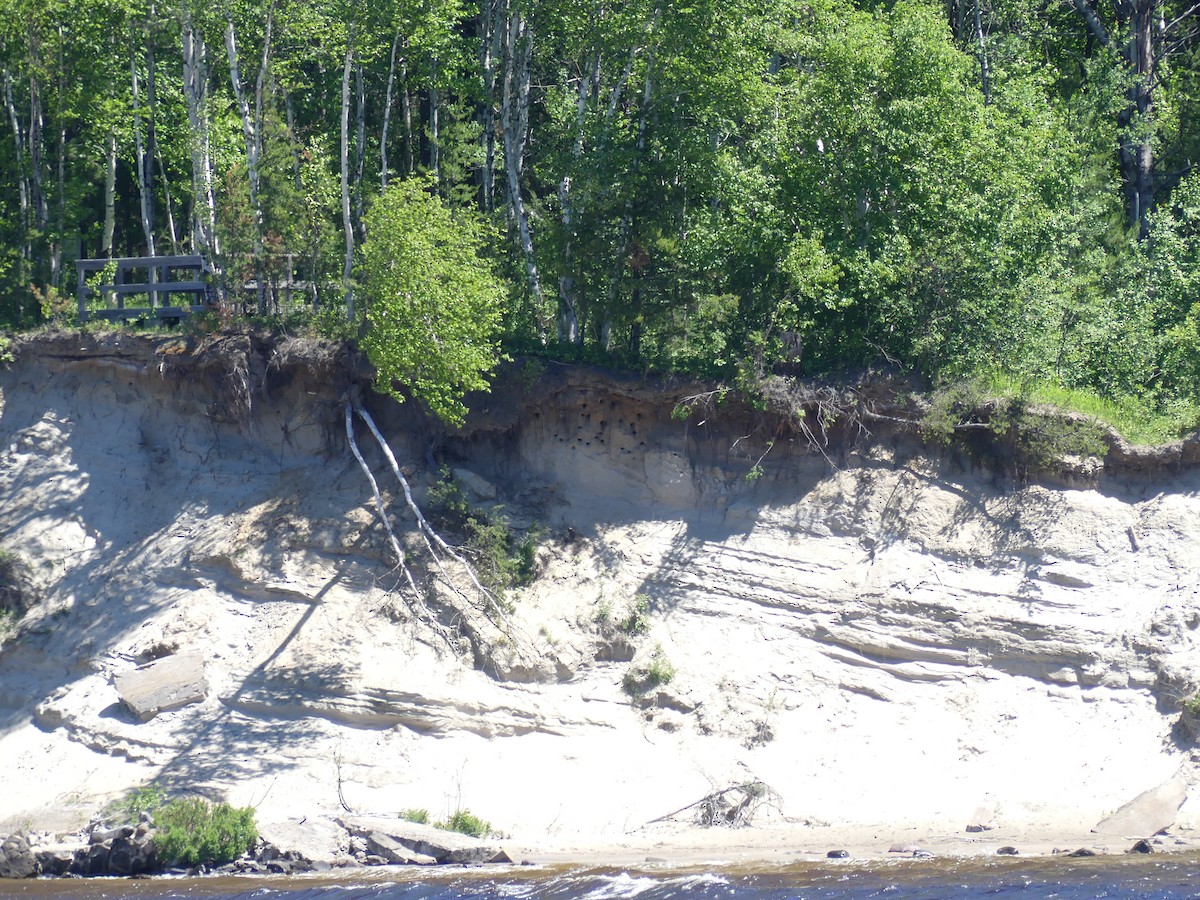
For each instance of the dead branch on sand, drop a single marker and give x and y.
(731, 807)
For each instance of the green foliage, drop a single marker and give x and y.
(961, 403)
(657, 671)
(56, 307)
(6, 354)
(433, 300)
(464, 822)
(720, 187)
(147, 798)
(503, 557)
(1192, 705)
(419, 816)
(1044, 437)
(15, 588)
(1138, 421)
(1039, 434)
(194, 832)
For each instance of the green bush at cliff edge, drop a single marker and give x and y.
(195, 832)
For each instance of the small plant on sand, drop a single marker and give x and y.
(646, 677)
(16, 589)
(1192, 706)
(465, 822)
(635, 620)
(418, 816)
(194, 832)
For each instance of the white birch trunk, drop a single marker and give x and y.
(146, 204)
(387, 114)
(514, 110)
(344, 156)
(204, 215)
(110, 195)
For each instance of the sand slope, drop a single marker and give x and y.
(897, 644)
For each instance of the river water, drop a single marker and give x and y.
(1116, 877)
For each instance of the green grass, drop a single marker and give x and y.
(464, 822)
(1134, 420)
(417, 816)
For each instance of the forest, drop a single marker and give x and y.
(990, 189)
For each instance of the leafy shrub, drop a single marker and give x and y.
(194, 832)
(464, 822)
(503, 558)
(419, 816)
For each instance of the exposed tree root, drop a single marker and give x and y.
(465, 615)
(428, 533)
(401, 560)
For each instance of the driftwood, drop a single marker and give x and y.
(731, 807)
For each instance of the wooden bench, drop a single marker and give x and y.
(161, 281)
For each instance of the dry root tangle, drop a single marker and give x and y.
(731, 807)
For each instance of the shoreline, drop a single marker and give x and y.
(774, 846)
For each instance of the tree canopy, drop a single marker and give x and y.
(434, 301)
(721, 186)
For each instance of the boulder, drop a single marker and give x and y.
(1149, 812)
(17, 859)
(476, 484)
(56, 860)
(316, 840)
(442, 846)
(380, 844)
(130, 856)
(165, 684)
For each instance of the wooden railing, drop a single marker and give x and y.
(166, 278)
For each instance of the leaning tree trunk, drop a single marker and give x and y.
(387, 113)
(485, 624)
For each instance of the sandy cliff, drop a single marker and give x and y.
(898, 642)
